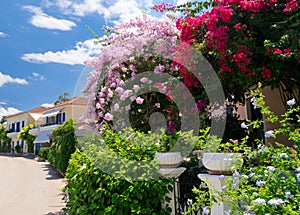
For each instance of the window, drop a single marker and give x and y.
(58, 118)
(23, 124)
(18, 127)
(13, 127)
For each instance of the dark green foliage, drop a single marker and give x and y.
(24, 135)
(43, 153)
(62, 98)
(91, 191)
(5, 147)
(18, 149)
(4, 140)
(63, 146)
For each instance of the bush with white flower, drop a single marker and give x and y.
(269, 181)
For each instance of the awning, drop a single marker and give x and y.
(43, 137)
(35, 116)
(52, 112)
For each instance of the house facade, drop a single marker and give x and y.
(16, 122)
(54, 117)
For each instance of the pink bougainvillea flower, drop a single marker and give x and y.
(144, 80)
(265, 72)
(136, 87)
(139, 100)
(108, 117)
(287, 52)
(171, 126)
(291, 6)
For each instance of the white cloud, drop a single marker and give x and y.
(2, 34)
(42, 20)
(76, 7)
(38, 77)
(81, 52)
(123, 10)
(8, 111)
(111, 10)
(47, 105)
(8, 79)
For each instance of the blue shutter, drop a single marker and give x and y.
(23, 124)
(18, 127)
(58, 118)
(64, 117)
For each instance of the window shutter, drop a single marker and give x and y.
(64, 117)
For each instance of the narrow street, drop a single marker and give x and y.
(28, 187)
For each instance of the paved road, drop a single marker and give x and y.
(28, 187)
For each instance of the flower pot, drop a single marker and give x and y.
(222, 163)
(168, 159)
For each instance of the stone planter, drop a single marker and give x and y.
(168, 159)
(222, 163)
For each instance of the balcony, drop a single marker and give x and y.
(34, 131)
(49, 126)
(51, 123)
(12, 133)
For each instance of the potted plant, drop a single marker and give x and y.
(173, 147)
(222, 158)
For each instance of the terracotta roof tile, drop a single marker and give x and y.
(74, 101)
(34, 110)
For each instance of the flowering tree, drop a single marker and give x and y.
(129, 51)
(246, 41)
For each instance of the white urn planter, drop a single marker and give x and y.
(168, 159)
(222, 163)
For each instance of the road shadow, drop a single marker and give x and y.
(56, 213)
(18, 155)
(52, 173)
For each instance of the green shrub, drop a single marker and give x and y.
(5, 147)
(24, 135)
(133, 185)
(63, 146)
(91, 191)
(43, 153)
(18, 148)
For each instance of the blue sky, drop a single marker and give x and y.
(43, 45)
